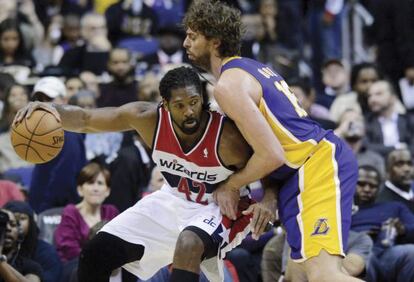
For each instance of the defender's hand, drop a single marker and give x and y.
(227, 199)
(26, 111)
(264, 214)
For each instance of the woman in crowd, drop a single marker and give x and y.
(77, 220)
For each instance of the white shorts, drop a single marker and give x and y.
(156, 221)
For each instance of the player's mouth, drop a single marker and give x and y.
(190, 123)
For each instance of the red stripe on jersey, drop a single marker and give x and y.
(203, 153)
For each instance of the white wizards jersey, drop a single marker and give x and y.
(195, 174)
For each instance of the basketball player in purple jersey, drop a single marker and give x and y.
(316, 170)
(194, 149)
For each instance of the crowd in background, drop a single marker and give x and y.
(350, 64)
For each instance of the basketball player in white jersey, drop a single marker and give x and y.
(195, 149)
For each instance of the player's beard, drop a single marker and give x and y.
(203, 62)
(188, 130)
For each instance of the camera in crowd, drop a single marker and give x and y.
(4, 219)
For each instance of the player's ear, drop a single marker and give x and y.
(216, 43)
(165, 104)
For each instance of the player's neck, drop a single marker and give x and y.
(216, 64)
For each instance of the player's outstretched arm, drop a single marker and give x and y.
(74, 118)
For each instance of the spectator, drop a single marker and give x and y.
(130, 19)
(170, 50)
(77, 220)
(14, 57)
(13, 265)
(130, 174)
(53, 183)
(351, 128)
(71, 32)
(406, 84)
(9, 191)
(306, 97)
(123, 88)
(32, 247)
(100, 146)
(393, 259)
(335, 82)
(362, 77)
(93, 54)
(16, 98)
(399, 184)
(73, 85)
(386, 129)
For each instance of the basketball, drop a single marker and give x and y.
(39, 138)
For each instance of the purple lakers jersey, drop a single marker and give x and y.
(298, 134)
(192, 175)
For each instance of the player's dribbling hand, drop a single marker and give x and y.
(263, 214)
(227, 199)
(27, 110)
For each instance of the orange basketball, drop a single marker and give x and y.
(39, 138)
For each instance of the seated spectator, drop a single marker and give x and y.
(102, 146)
(386, 128)
(399, 184)
(93, 54)
(77, 220)
(406, 85)
(391, 226)
(362, 77)
(351, 128)
(13, 265)
(170, 51)
(335, 82)
(10, 191)
(306, 97)
(32, 247)
(16, 98)
(14, 57)
(73, 85)
(123, 88)
(53, 184)
(130, 173)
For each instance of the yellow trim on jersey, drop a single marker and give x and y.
(319, 203)
(226, 60)
(296, 151)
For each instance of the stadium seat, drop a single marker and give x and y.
(48, 221)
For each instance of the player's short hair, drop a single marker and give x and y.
(179, 78)
(91, 171)
(215, 19)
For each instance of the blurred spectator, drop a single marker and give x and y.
(123, 88)
(335, 82)
(14, 57)
(325, 30)
(93, 54)
(148, 88)
(362, 77)
(16, 98)
(170, 50)
(32, 247)
(77, 220)
(14, 266)
(168, 12)
(130, 18)
(386, 129)
(6, 80)
(48, 52)
(71, 32)
(73, 85)
(101, 146)
(399, 184)
(393, 257)
(54, 183)
(351, 128)
(130, 174)
(406, 84)
(91, 82)
(306, 97)
(9, 191)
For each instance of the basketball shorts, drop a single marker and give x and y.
(315, 203)
(156, 221)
